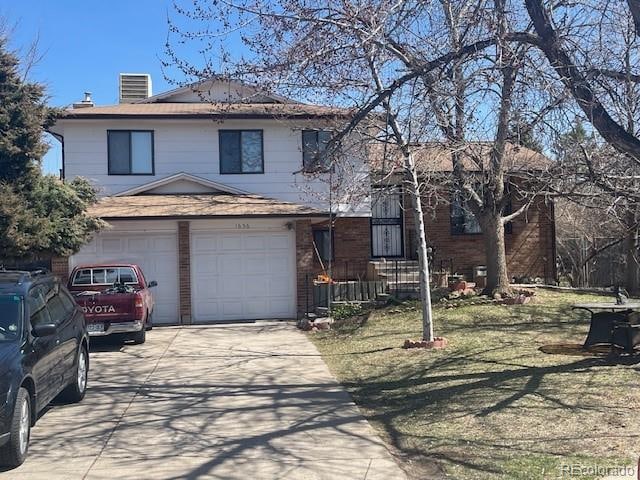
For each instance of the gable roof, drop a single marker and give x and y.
(208, 110)
(206, 85)
(180, 177)
(136, 207)
(475, 156)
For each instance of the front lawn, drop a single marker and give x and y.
(492, 405)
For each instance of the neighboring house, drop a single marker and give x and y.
(205, 187)
(453, 233)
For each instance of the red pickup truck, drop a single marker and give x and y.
(115, 298)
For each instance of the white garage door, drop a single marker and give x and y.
(244, 275)
(157, 255)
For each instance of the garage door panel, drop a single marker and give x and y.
(232, 307)
(280, 288)
(255, 242)
(155, 253)
(112, 245)
(230, 242)
(279, 242)
(255, 273)
(278, 262)
(205, 243)
(229, 264)
(280, 306)
(254, 308)
(256, 264)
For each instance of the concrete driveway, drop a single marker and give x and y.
(225, 402)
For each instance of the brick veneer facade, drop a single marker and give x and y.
(530, 247)
(352, 253)
(184, 271)
(60, 268)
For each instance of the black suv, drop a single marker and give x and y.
(43, 353)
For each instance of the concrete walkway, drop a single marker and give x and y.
(230, 402)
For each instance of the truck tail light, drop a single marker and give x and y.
(139, 306)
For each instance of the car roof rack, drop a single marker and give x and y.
(24, 275)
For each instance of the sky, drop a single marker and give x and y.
(86, 44)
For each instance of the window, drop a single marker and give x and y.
(314, 149)
(57, 309)
(68, 302)
(38, 308)
(104, 276)
(321, 241)
(82, 277)
(11, 318)
(463, 221)
(130, 152)
(241, 151)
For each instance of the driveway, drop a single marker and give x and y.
(224, 402)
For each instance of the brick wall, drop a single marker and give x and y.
(352, 243)
(352, 252)
(305, 269)
(184, 271)
(529, 248)
(60, 268)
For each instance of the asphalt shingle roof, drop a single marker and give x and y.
(197, 205)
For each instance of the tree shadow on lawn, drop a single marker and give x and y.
(480, 395)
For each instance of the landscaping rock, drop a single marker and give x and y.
(437, 343)
(323, 323)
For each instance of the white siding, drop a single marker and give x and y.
(191, 146)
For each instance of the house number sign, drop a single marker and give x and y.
(243, 226)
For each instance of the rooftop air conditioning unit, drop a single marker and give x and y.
(134, 87)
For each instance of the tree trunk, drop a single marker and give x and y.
(425, 291)
(497, 277)
(631, 277)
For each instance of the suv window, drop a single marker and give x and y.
(67, 301)
(37, 307)
(56, 309)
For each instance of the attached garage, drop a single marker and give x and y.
(155, 252)
(216, 257)
(243, 274)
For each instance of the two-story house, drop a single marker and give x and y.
(205, 188)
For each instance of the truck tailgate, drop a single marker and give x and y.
(106, 307)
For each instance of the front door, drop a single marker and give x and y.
(386, 223)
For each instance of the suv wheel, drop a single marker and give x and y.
(14, 452)
(139, 337)
(78, 388)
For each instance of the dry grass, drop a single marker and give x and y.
(492, 405)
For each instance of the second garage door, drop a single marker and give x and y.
(243, 275)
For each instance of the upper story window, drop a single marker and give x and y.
(314, 149)
(130, 152)
(241, 151)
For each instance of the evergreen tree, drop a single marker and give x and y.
(39, 215)
(23, 115)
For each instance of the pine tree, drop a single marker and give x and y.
(39, 214)
(23, 115)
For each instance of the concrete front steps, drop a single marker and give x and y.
(402, 276)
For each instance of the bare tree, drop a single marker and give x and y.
(594, 48)
(386, 61)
